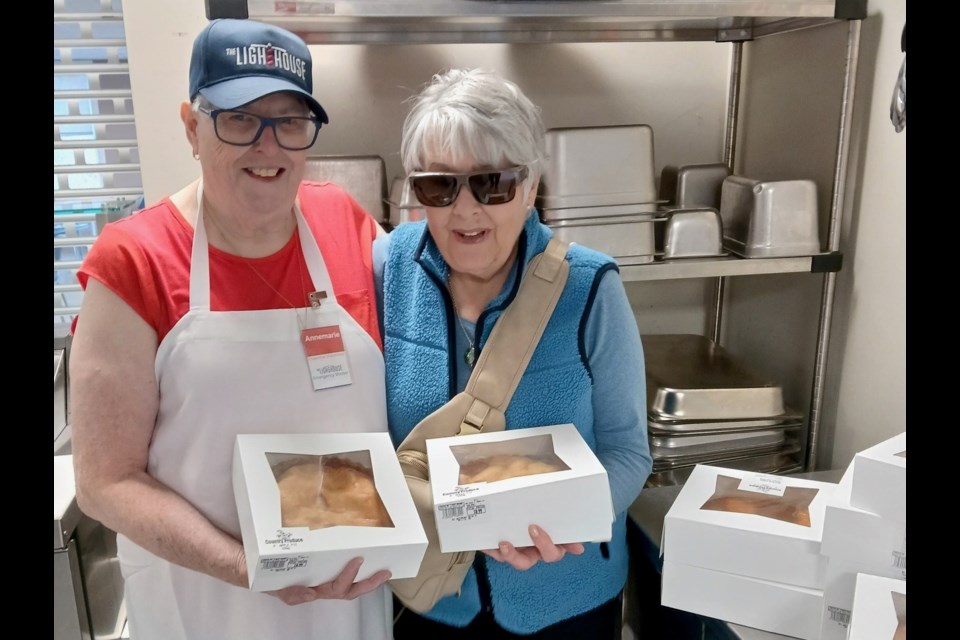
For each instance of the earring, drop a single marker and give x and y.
(196, 155)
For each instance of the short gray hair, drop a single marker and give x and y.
(473, 114)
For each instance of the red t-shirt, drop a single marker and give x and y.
(145, 259)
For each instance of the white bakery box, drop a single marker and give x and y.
(838, 596)
(855, 536)
(880, 479)
(307, 535)
(855, 541)
(750, 524)
(565, 492)
(879, 609)
(761, 604)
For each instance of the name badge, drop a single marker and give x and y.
(326, 357)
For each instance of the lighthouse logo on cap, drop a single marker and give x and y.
(267, 55)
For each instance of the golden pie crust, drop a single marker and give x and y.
(504, 466)
(336, 492)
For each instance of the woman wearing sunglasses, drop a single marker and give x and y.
(473, 148)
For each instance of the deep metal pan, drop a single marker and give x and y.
(690, 377)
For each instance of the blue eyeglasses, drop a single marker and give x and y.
(243, 129)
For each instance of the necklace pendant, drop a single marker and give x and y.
(469, 356)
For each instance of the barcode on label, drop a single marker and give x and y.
(283, 564)
(273, 563)
(839, 615)
(899, 560)
(454, 511)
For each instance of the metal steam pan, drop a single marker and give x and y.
(700, 427)
(671, 448)
(621, 237)
(596, 166)
(729, 459)
(776, 463)
(718, 441)
(363, 177)
(690, 377)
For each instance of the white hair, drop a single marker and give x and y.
(473, 115)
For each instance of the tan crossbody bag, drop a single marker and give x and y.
(479, 407)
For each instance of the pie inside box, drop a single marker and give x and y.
(751, 524)
(489, 487)
(309, 503)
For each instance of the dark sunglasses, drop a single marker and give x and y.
(440, 189)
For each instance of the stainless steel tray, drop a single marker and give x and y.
(690, 377)
(363, 177)
(697, 427)
(629, 238)
(775, 463)
(721, 459)
(717, 442)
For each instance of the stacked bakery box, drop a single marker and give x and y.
(745, 547)
(865, 534)
(598, 189)
(880, 609)
(705, 406)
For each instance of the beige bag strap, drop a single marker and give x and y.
(515, 336)
(501, 364)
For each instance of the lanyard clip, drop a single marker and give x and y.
(316, 298)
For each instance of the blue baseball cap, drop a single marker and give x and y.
(235, 62)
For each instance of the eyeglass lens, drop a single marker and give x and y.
(441, 189)
(241, 128)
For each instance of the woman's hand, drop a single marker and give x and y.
(342, 587)
(523, 558)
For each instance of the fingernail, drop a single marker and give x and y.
(534, 531)
(504, 547)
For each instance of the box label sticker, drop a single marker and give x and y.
(839, 616)
(767, 485)
(899, 558)
(284, 564)
(462, 511)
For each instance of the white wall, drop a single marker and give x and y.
(867, 372)
(680, 90)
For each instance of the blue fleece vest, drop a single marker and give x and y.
(556, 388)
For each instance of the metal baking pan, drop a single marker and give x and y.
(693, 185)
(767, 219)
(714, 445)
(549, 214)
(718, 441)
(699, 427)
(363, 177)
(661, 457)
(594, 166)
(692, 233)
(719, 460)
(402, 204)
(775, 463)
(621, 237)
(690, 377)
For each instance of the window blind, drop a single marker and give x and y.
(96, 166)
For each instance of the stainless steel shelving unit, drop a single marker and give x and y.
(509, 21)
(370, 22)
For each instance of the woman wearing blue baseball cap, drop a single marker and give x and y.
(191, 332)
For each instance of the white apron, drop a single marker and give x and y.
(225, 373)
